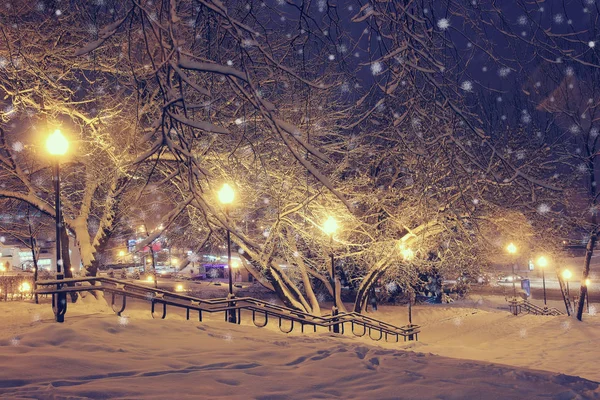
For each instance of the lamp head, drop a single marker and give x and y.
(542, 262)
(330, 226)
(57, 144)
(226, 194)
(511, 248)
(567, 274)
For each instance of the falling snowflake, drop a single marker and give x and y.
(2, 239)
(525, 117)
(559, 18)
(592, 44)
(523, 333)
(594, 132)
(566, 325)
(569, 71)
(193, 257)
(123, 320)
(376, 68)
(457, 321)
(521, 154)
(467, 86)
(543, 208)
(345, 88)
(18, 147)
(331, 57)
(58, 13)
(229, 62)
(37, 318)
(522, 20)
(15, 341)
(475, 201)
(574, 129)
(582, 168)
(443, 24)
(240, 251)
(266, 200)
(503, 72)
(593, 310)
(3, 62)
(392, 287)
(213, 273)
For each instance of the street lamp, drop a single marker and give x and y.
(57, 145)
(566, 276)
(226, 196)
(330, 227)
(543, 263)
(512, 250)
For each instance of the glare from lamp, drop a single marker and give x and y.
(567, 274)
(330, 226)
(511, 248)
(57, 144)
(226, 194)
(542, 262)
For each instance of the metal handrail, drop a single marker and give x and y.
(165, 298)
(516, 306)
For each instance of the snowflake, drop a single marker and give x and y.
(266, 200)
(213, 273)
(593, 310)
(523, 333)
(484, 69)
(415, 123)
(525, 117)
(592, 44)
(239, 121)
(566, 325)
(193, 257)
(582, 168)
(37, 318)
(559, 18)
(574, 129)
(443, 24)
(40, 6)
(17, 147)
(392, 287)
(240, 251)
(345, 88)
(58, 13)
(569, 71)
(503, 72)
(331, 57)
(321, 297)
(475, 201)
(543, 208)
(2, 239)
(15, 341)
(521, 154)
(229, 62)
(522, 20)
(376, 68)
(457, 321)
(467, 86)
(594, 132)
(228, 337)
(123, 320)
(3, 62)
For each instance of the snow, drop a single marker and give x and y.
(467, 350)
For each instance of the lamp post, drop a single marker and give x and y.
(566, 276)
(226, 196)
(330, 227)
(57, 145)
(543, 263)
(512, 249)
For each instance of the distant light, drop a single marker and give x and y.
(25, 287)
(330, 226)
(511, 248)
(57, 144)
(150, 278)
(226, 194)
(567, 274)
(407, 254)
(179, 288)
(121, 253)
(542, 262)
(587, 282)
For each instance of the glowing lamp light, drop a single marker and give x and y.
(121, 253)
(174, 260)
(24, 287)
(330, 226)
(2, 267)
(407, 254)
(542, 262)
(226, 194)
(511, 248)
(179, 288)
(57, 144)
(150, 278)
(587, 282)
(567, 274)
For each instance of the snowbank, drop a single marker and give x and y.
(96, 354)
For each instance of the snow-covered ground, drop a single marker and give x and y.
(469, 350)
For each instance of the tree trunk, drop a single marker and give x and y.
(66, 258)
(589, 251)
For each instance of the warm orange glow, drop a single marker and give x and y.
(57, 144)
(567, 274)
(226, 194)
(542, 262)
(150, 278)
(511, 248)
(330, 226)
